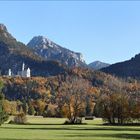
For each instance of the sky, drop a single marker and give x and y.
(108, 31)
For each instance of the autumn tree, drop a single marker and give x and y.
(3, 115)
(119, 103)
(113, 107)
(25, 107)
(71, 98)
(31, 110)
(39, 106)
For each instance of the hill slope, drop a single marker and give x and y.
(38, 87)
(130, 68)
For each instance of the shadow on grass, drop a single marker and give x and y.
(39, 124)
(129, 124)
(12, 139)
(116, 136)
(18, 139)
(107, 128)
(53, 124)
(128, 136)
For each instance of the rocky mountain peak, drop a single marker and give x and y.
(4, 32)
(41, 42)
(52, 51)
(98, 65)
(3, 27)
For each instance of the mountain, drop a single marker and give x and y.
(129, 68)
(14, 53)
(97, 65)
(52, 51)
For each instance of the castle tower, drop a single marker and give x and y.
(23, 67)
(9, 72)
(28, 74)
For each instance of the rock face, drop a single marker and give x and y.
(4, 32)
(52, 51)
(14, 53)
(97, 65)
(130, 68)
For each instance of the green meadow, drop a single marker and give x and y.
(53, 129)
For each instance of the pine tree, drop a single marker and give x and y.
(31, 110)
(25, 107)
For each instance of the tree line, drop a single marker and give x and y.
(115, 100)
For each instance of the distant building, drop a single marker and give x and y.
(9, 72)
(24, 72)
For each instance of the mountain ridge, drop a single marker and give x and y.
(49, 50)
(97, 65)
(125, 69)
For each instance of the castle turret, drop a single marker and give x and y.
(23, 67)
(28, 73)
(9, 72)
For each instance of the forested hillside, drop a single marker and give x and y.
(83, 91)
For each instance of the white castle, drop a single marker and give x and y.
(23, 73)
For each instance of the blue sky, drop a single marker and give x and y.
(101, 30)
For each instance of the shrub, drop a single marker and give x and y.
(77, 121)
(3, 117)
(20, 119)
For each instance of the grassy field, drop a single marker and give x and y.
(52, 129)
